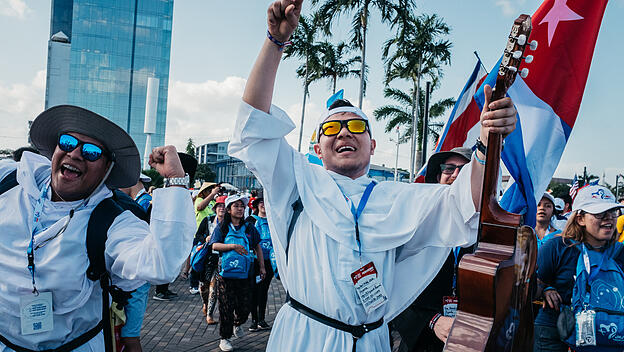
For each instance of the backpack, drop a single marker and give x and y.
(199, 253)
(100, 220)
(233, 264)
(602, 292)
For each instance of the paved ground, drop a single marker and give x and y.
(179, 325)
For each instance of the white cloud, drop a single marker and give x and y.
(20, 103)
(14, 8)
(203, 111)
(510, 7)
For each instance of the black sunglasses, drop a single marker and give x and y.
(89, 151)
(449, 168)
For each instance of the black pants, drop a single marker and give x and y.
(260, 291)
(234, 302)
(162, 288)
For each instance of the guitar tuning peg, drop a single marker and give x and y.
(524, 72)
(521, 39)
(517, 54)
(533, 45)
(528, 59)
(512, 68)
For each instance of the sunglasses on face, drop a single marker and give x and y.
(612, 213)
(333, 127)
(449, 169)
(89, 151)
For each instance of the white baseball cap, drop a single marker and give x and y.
(236, 197)
(595, 200)
(549, 197)
(559, 204)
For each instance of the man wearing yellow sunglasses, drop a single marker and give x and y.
(352, 253)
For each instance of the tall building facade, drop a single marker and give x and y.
(101, 54)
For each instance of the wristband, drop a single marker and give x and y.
(434, 320)
(549, 288)
(281, 45)
(480, 146)
(480, 161)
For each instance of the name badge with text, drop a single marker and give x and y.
(36, 313)
(369, 288)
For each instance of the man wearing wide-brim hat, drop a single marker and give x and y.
(443, 167)
(43, 221)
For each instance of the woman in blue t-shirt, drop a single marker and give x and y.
(234, 239)
(591, 223)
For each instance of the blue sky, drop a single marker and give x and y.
(214, 45)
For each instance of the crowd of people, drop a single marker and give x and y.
(366, 265)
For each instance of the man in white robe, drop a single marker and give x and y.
(405, 230)
(64, 186)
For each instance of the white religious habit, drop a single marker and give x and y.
(406, 230)
(135, 252)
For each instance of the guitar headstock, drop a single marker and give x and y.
(513, 56)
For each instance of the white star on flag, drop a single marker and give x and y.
(559, 12)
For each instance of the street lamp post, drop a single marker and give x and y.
(617, 185)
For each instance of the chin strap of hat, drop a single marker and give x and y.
(108, 171)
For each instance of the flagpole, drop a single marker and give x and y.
(481, 62)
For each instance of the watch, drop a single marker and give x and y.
(177, 181)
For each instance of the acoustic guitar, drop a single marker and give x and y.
(494, 283)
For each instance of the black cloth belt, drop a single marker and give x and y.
(68, 347)
(357, 331)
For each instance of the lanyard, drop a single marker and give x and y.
(139, 194)
(586, 262)
(456, 255)
(358, 212)
(30, 253)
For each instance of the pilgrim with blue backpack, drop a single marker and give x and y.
(234, 239)
(583, 279)
(261, 286)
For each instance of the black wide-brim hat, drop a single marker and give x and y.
(50, 124)
(433, 165)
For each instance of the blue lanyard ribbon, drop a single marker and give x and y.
(358, 212)
(456, 255)
(30, 253)
(592, 273)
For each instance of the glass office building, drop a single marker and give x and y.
(101, 54)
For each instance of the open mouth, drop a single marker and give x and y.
(345, 148)
(70, 171)
(607, 226)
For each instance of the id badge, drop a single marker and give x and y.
(36, 313)
(449, 306)
(585, 328)
(369, 288)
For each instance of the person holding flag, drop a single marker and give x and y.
(547, 100)
(348, 249)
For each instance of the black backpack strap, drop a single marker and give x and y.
(9, 181)
(297, 209)
(102, 217)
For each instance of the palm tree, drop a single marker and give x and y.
(333, 63)
(330, 10)
(304, 46)
(400, 114)
(416, 51)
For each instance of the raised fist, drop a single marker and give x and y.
(283, 17)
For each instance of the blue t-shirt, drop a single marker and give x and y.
(548, 236)
(252, 235)
(556, 267)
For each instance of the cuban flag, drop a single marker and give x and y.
(462, 127)
(548, 100)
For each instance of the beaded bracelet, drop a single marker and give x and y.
(480, 161)
(281, 45)
(434, 320)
